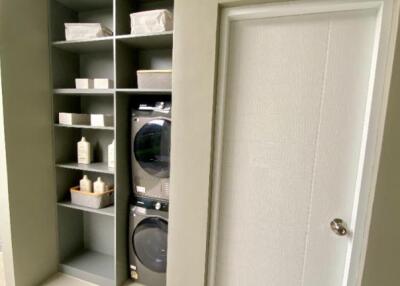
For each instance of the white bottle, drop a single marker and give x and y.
(99, 186)
(111, 155)
(84, 152)
(85, 184)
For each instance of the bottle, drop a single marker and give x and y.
(85, 184)
(99, 186)
(84, 152)
(111, 155)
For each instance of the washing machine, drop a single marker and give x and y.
(148, 238)
(150, 147)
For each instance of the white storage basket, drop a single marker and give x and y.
(154, 79)
(101, 120)
(92, 200)
(73, 118)
(154, 21)
(85, 31)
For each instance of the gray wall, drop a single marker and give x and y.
(30, 223)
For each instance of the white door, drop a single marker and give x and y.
(295, 90)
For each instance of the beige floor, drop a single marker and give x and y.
(65, 280)
(58, 280)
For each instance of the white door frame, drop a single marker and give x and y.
(372, 133)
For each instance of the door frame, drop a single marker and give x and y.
(194, 199)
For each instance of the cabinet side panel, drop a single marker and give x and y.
(28, 139)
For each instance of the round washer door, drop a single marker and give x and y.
(150, 241)
(152, 146)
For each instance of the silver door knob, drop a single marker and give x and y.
(338, 226)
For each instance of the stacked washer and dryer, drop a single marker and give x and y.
(148, 218)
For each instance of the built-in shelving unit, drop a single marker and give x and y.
(93, 244)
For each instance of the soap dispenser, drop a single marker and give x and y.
(100, 186)
(111, 155)
(84, 152)
(85, 184)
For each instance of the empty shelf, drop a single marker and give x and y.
(157, 40)
(108, 211)
(86, 46)
(93, 167)
(85, 127)
(91, 266)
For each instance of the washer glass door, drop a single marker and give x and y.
(152, 147)
(149, 241)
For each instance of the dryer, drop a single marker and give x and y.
(150, 147)
(148, 244)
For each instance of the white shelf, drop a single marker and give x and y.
(110, 128)
(93, 167)
(74, 91)
(91, 266)
(157, 40)
(104, 44)
(108, 211)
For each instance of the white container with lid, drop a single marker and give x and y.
(85, 31)
(99, 186)
(149, 22)
(84, 152)
(111, 155)
(85, 184)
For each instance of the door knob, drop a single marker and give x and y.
(338, 226)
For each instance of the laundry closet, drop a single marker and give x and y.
(186, 142)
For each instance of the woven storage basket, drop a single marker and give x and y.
(92, 200)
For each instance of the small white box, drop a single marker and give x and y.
(73, 118)
(101, 120)
(85, 31)
(84, 83)
(154, 79)
(154, 21)
(103, 83)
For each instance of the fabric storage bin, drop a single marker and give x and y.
(85, 31)
(92, 200)
(103, 83)
(101, 120)
(154, 21)
(154, 79)
(73, 118)
(84, 83)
